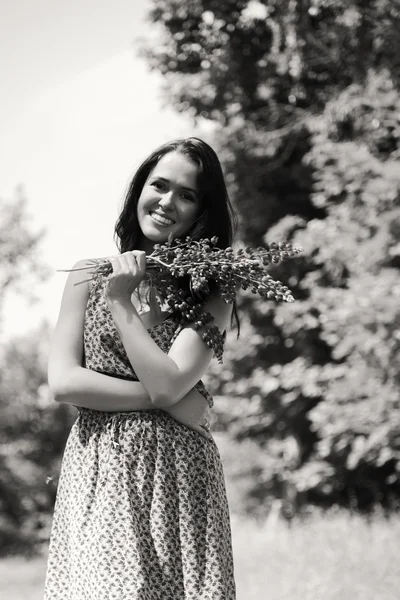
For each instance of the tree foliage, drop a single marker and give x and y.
(270, 60)
(21, 266)
(261, 70)
(304, 96)
(33, 428)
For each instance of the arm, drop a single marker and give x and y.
(73, 384)
(108, 394)
(90, 389)
(68, 380)
(166, 377)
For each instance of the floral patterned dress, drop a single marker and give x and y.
(141, 510)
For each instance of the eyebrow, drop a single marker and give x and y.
(181, 186)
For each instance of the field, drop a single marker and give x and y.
(330, 557)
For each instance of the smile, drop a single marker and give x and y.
(161, 220)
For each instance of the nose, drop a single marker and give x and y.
(166, 201)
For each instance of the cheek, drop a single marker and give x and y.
(143, 203)
(188, 219)
(147, 194)
(191, 213)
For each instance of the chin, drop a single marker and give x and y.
(160, 236)
(157, 236)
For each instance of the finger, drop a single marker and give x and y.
(206, 425)
(131, 262)
(125, 266)
(116, 266)
(207, 434)
(138, 253)
(203, 432)
(141, 259)
(109, 258)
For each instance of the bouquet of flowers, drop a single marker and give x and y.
(205, 265)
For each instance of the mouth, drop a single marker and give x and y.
(161, 220)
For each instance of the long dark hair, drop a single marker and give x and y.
(217, 216)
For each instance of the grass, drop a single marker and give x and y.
(22, 579)
(329, 557)
(333, 556)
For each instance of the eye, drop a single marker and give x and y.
(187, 196)
(158, 185)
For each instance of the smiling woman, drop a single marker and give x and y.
(141, 506)
(169, 199)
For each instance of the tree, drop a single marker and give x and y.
(21, 266)
(304, 95)
(33, 428)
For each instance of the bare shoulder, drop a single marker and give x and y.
(67, 342)
(76, 291)
(76, 284)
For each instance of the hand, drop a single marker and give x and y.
(193, 411)
(129, 269)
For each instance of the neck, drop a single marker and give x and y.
(145, 244)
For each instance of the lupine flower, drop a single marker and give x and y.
(204, 263)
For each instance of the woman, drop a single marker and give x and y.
(141, 510)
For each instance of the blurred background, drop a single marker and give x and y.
(300, 99)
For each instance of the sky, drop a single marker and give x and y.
(79, 111)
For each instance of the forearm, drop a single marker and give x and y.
(89, 389)
(154, 368)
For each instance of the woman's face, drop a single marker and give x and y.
(169, 202)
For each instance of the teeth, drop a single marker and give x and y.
(161, 219)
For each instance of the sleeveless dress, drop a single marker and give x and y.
(141, 511)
